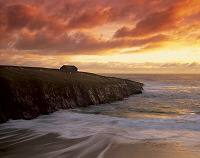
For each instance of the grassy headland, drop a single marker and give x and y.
(26, 92)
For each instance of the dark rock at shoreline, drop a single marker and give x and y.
(27, 92)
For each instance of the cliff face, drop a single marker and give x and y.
(26, 93)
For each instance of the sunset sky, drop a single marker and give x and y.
(103, 36)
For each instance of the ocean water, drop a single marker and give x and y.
(166, 114)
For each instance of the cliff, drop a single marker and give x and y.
(27, 92)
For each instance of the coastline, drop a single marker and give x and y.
(161, 122)
(26, 92)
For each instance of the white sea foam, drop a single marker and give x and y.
(74, 125)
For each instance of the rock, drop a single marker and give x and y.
(26, 93)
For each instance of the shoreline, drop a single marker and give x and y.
(26, 93)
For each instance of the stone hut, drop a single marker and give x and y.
(69, 68)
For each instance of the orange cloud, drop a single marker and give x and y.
(92, 17)
(164, 20)
(154, 23)
(19, 16)
(12, 58)
(65, 27)
(16, 17)
(78, 43)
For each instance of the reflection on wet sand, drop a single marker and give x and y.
(20, 144)
(151, 150)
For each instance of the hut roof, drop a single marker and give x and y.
(69, 68)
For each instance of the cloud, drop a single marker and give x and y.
(164, 20)
(154, 23)
(32, 60)
(77, 13)
(148, 67)
(59, 27)
(78, 43)
(19, 16)
(97, 67)
(92, 17)
(14, 19)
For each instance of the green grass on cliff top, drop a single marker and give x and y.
(54, 76)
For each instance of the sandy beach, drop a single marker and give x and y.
(151, 150)
(24, 144)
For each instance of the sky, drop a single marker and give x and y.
(102, 36)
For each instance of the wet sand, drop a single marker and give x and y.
(24, 143)
(149, 149)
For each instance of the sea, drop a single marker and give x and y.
(163, 121)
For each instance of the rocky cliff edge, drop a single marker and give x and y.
(26, 92)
